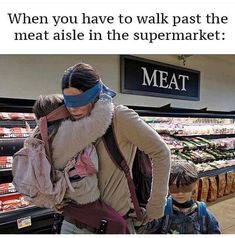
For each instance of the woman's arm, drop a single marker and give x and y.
(134, 130)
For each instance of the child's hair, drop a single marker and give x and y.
(183, 172)
(44, 105)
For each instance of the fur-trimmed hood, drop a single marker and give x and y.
(74, 136)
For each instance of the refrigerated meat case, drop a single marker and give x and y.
(16, 215)
(31, 219)
(207, 138)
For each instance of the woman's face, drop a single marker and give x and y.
(77, 112)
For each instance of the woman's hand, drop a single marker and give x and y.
(146, 219)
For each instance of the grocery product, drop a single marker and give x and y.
(212, 192)
(229, 182)
(203, 189)
(221, 184)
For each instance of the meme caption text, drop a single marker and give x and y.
(158, 26)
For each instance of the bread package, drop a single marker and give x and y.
(229, 182)
(195, 194)
(212, 193)
(203, 189)
(233, 183)
(221, 184)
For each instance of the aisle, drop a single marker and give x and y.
(224, 210)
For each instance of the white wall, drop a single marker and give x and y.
(27, 76)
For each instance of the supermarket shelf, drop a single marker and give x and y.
(19, 123)
(6, 175)
(215, 172)
(41, 219)
(16, 105)
(8, 146)
(211, 136)
(8, 194)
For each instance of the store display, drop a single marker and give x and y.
(16, 116)
(212, 192)
(6, 162)
(203, 189)
(14, 128)
(229, 182)
(195, 193)
(221, 184)
(6, 188)
(208, 142)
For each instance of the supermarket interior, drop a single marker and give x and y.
(188, 99)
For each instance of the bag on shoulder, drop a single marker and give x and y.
(92, 215)
(141, 180)
(33, 175)
(142, 176)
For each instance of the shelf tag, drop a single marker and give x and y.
(24, 222)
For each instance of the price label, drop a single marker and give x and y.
(24, 222)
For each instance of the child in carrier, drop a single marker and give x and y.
(82, 195)
(81, 165)
(182, 214)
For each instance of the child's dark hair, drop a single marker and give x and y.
(80, 76)
(44, 105)
(183, 172)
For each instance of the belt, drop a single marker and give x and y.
(80, 225)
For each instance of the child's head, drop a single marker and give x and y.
(183, 178)
(46, 104)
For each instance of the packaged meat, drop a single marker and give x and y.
(6, 162)
(19, 132)
(221, 184)
(4, 116)
(16, 116)
(203, 189)
(212, 193)
(29, 116)
(7, 188)
(11, 204)
(5, 132)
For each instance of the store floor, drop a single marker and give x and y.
(224, 210)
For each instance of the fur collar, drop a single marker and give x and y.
(74, 136)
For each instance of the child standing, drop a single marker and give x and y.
(182, 214)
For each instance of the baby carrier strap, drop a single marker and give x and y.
(168, 216)
(115, 154)
(59, 113)
(202, 214)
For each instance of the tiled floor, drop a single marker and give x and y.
(224, 211)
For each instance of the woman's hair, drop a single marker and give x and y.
(183, 172)
(80, 76)
(42, 107)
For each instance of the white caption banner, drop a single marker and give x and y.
(108, 28)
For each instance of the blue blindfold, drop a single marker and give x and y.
(88, 96)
